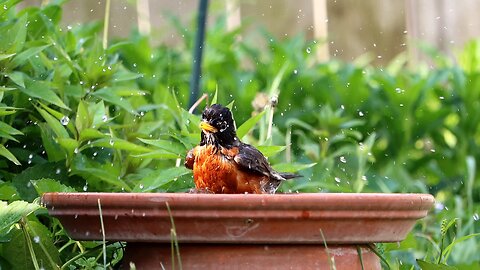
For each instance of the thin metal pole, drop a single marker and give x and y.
(198, 52)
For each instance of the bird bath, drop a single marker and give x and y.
(248, 231)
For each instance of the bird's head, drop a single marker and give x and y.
(218, 126)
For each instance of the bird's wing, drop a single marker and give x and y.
(249, 158)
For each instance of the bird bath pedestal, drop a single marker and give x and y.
(242, 231)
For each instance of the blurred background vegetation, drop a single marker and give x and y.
(80, 112)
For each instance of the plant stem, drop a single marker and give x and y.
(93, 250)
(382, 258)
(331, 260)
(29, 244)
(359, 251)
(173, 232)
(105, 24)
(44, 249)
(104, 246)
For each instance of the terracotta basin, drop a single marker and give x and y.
(281, 229)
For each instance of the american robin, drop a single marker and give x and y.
(221, 163)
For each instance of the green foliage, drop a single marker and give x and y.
(77, 117)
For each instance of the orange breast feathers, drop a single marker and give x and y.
(214, 170)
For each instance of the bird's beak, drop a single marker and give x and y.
(207, 127)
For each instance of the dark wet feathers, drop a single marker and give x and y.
(250, 159)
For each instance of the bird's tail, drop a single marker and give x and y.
(286, 175)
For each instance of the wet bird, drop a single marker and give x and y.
(221, 163)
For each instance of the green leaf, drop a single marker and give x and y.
(118, 144)
(92, 171)
(22, 57)
(82, 120)
(53, 149)
(109, 95)
(449, 248)
(270, 150)
(4, 89)
(14, 35)
(230, 105)
(292, 167)
(434, 266)
(41, 90)
(408, 243)
(7, 111)
(68, 144)
(54, 124)
(17, 78)
(168, 145)
(5, 153)
(128, 92)
(159, 178)
(214, 99)
(23, 184)
(249, 124)
(9, 129)
(13, 212)
(6, 56)
(18, 253)
(8, 192)
(158, 154)
(50, 185)
(90, 133)
(98, 114)
(125, 75)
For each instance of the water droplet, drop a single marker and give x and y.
(338, 180)
(364, 177)
(295, 71)
(76, 151)
(442, 97)
(343, 159)
(58, 171)
(36, 239)
(85, 188)
(360, 113)
(476, 217)
(65, 120)
(30, 156)
(5, 7)
(439, 206)
(105, 118)
(111, 142)
(308, 50)
(141, 186)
